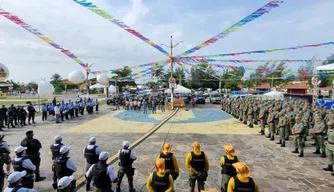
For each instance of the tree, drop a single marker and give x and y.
(16, 86)
(203, 76)
(125, 74)
(232, 85)
(159, 73)
(32, 86)
(270, 72)
(57, 82)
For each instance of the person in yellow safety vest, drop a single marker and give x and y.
(242, 182)
(226, 162)
(171, 164)
(198, 166)
(159, 181)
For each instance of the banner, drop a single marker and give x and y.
(119, 23)
(40, 35)
(265, 9)
(204, 60)
(262, 51)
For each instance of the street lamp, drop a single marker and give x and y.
(171, 81)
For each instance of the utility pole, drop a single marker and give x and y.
(171, 65)
(87, 79)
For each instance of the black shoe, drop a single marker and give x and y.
(301, 154)
(269, 136)
(323, 154)
(287, 139)
(295, 151)
(38, 179)
(313, 144)
(317, 152)
(328, 168)
(87, 187)
(54, 185)
(1, 129)
(272, 139)
(283, 144)
(262, 133)
(251, 126)
(245, 123)
(332, 173)
(13, 127)
(280, 142)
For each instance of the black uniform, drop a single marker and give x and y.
(125, 168)
(3, 116)
(10, 120)
(31, 114)
(198, 163)
(169, 164)
(241, 186)
(32, 153)
(62, 170)
(15, 115)
(28, 180)
(160, 183)
(23, 116)
(91, 158)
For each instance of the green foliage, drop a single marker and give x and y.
(125, 72)
(57, 82)
(16, 86)
(232, 85)
(276, 71)
(204, 77)
(326, 81)
(32, 86)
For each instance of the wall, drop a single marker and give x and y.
(297, 91)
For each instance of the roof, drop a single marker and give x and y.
(297, 86)
(6, 85)
(263, 86)
(329, 88)
(66, 82)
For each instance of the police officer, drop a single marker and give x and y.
(159, 180)
(33, 146)
(64, 165)
(23, 116)
(228, 170)
(44, 112)
(10, 117)
(31, 114)
(298, 131)
(126, 157)
(22, 163)
(65, 184)
(55, 148)
(242, 182)
(4, 159)
(3, 116)
(15, 182)
(198, 165)
(171, 164)
(330, 147)
(102, 173)
(91, 154)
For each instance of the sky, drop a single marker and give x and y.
(97, 41)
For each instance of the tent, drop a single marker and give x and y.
(273, 94)
(97, 86)
(329, 68)
(179, 89)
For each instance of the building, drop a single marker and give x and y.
(298, 88)
(265, 87)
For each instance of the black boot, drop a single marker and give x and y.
(87, 186)
(272, 138)
(283, 144)
(329, 168)
(280, 142)
(251, 126)
(39, 178)
(132, 189)
(268, 136)
(323, 154)
(317, 152)
(287, 139)
(332, 173)
(245, 123)
(313, 144)
(301, 154)
(295, 151)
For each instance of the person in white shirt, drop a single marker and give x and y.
(91, 154)
(22, 163)
(64, 165)
(104, 174)
(15, 180)
(57, 113)
(65, 184)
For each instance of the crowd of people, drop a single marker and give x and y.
(235, 174)
(12, 116)
(144, 103)
(295, 118)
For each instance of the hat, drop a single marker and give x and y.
(104, 155)
(65, 182)
(160, 164)
(242, 169)
(64, 149)
(126, 143)
(58, 137)
(92, 139)
(229, 150)
(17, 175)
(19, 149)
(29, 132)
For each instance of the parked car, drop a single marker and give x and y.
(200, 99)
(215, 99)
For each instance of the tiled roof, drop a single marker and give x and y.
(297, 86)
(263, 86)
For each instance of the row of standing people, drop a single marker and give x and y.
(12, 116)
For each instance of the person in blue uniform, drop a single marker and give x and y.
(44, 112)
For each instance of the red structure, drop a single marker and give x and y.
(299, 88)
(263, 87)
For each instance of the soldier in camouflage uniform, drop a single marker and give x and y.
(281, 128)
(318, 132)
(297, 132)
(241, 106)
(244, 113)
(262, 120)
(250, 115)
(270, 122)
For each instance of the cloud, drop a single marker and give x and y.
(96, 40)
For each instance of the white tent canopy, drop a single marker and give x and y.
(97, 86)
(329, 67)
(179, 89)
(273, 94)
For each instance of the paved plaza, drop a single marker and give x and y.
(273, 168)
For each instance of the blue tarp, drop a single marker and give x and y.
(237, 92)
(328, 104)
